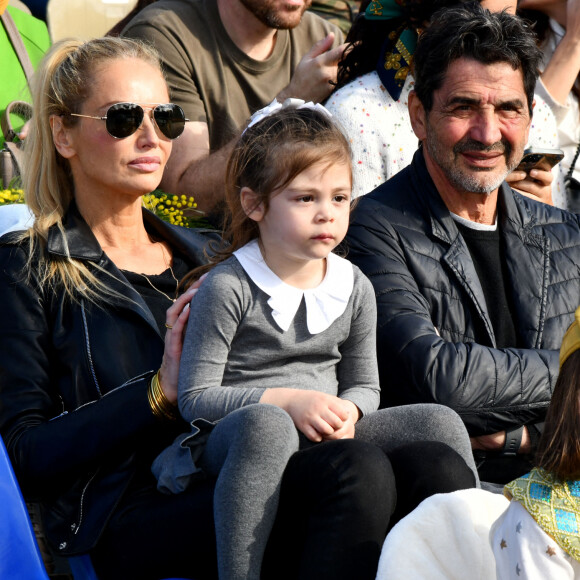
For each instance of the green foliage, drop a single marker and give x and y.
(8, 196)
(180, 210)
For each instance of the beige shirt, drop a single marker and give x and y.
(208, 75)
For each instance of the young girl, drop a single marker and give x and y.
(538, 536)
(284, 356)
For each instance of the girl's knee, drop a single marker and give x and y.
(443, 421)
(266, 422)
(252, 435)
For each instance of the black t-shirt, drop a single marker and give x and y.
(160, 290)
(486, 252)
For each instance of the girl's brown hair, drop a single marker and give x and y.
(266, 158)
(559, 446)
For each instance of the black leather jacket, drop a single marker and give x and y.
(435, 338)
(73, 381)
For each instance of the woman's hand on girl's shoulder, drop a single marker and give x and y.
(176, 324)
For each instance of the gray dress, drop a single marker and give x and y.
(234, 350)
(246, 336)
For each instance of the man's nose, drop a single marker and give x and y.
(486, 128)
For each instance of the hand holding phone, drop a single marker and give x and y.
(534, 157)
(533, 176)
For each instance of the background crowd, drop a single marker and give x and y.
(473, 263)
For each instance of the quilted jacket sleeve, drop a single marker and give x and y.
(492, 389)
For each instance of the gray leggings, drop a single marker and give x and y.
(249, 449)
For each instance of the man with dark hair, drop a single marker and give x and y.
(475, 283)
(224, 60)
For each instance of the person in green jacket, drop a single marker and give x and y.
(13, 84)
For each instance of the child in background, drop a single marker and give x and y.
(287, 356)
(538, 536)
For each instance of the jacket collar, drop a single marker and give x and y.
(525, 248)
(442, 224)
(511, 206)
(77, 236)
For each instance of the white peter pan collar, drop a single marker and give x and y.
(324, 304)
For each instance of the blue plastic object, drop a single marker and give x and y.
(19, 553)
(20, 557)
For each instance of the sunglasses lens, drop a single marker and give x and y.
(170, 119)
(123, 119)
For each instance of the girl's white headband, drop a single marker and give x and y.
(275, 106)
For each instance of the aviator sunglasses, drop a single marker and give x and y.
(123, 119)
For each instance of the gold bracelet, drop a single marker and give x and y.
(168, 409)
(158, 402)
(152, 403)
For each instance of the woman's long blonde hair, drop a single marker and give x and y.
(59, 87)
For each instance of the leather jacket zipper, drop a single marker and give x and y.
(77, 526)
(88, 346)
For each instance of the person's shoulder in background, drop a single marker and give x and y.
(33, 31)
(340, 12)
(13, 83)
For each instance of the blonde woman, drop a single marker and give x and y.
(92, 334)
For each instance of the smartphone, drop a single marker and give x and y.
(533, 157)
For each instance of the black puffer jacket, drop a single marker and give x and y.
(435, 338)
(73, 383)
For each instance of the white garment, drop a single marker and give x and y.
(523, 551)
(324, 304)
(14, 217)
(474, 225)
(382, 139)
(378, 128)
(444, 538)
(567, 114)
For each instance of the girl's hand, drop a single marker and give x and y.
(348, 427)
(315, 414)
(176, 323)
(535, 185)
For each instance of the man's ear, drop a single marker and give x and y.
(61, 137)
(251, 205)
(418, 116)
(530, 121)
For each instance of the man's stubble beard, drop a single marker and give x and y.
(268, 15)
(470, 182)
